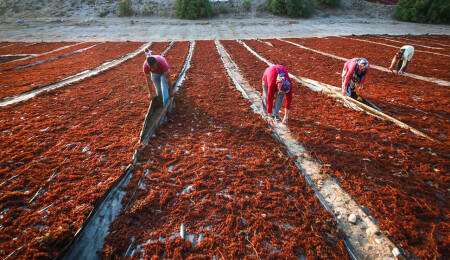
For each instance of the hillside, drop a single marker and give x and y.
(35, 9)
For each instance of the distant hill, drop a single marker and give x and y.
(35, 9)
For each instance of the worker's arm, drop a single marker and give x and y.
(393, 64)
(288, 103)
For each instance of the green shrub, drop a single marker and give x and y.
(247, 5)
(103, 13)
(224, 7)
(423, 11)
(125, 8)
(220, 8)
(145, 10)
(3, 9)
(193, 9)
(292, 8)
(299, 8)
(277, 7)
(329, 3)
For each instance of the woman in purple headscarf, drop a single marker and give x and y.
(354, 75)
(276, 85)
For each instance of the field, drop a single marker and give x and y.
(214, 180)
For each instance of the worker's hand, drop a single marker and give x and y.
(361, 87)
(391, 69)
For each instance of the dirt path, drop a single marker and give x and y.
(163, 29)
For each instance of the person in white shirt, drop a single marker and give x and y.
(402, 58)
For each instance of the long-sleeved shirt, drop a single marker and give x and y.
(270, 79)
(163, 66)
(349, 72)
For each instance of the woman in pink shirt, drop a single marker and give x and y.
(157, 70)
(354, 75)
(276, 85)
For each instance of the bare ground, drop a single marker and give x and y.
(84, 24)
(162, 29)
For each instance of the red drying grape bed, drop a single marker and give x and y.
(431, 43)
(421, 104)
(217, 170)
(214, 167)
(18, 81)
(31, 48)
(11, 65)
(400, 178)
(84, 135)
(423, 63)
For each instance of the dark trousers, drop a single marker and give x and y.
(399, 66)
